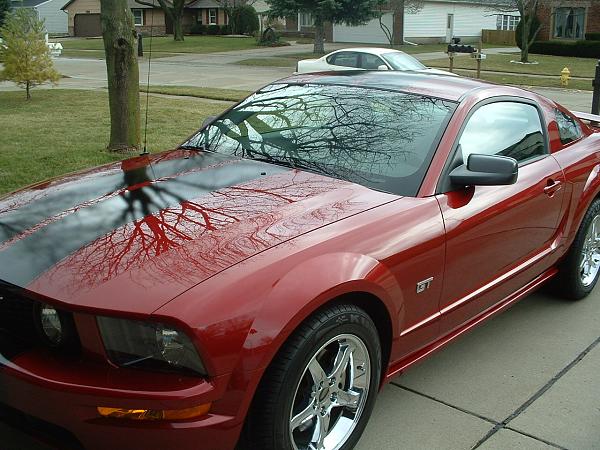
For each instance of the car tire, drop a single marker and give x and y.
(325, 377)
(579, 271)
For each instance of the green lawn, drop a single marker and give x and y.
(547, 65)
(276, 61)
(524, 81)
(231, 95)
(60, 131)
(166, 44)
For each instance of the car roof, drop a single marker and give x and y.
(373, 50)
(446, 87)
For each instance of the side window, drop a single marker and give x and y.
(344, 59)
(568, 128)
(506, 129)
(371, 62)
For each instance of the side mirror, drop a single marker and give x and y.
(209, 120)
(486, 170)
(383, 67)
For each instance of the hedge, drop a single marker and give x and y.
(581, 49)
(592, 36)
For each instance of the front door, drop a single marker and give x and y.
(449, 28)
(498, 238)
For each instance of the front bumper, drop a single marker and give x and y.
(66, 400)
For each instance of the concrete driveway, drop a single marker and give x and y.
(528, 379)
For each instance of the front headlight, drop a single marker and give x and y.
(148, 345)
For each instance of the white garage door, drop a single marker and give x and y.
(368, 34)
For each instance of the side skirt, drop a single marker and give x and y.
(397, 368)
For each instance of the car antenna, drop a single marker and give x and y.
(145, 151)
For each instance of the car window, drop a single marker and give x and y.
(506, 129)
(381, 139)
(568, 128)
(345, 59)
(371, 62)
(402, 61)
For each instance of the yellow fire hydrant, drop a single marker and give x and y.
(565, 75)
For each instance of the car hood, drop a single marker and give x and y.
(133, 235)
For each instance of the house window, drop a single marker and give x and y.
(306, 20)
(199, 17)
(212, 16)
(138, 17)
(569, 23)
(506, 22)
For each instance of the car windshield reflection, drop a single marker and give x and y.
(383, 140)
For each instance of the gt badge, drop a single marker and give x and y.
(424, 285)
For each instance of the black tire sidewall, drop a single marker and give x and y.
(571, 283)
(356, 323)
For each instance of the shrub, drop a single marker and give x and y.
(244, 20)
(198, 28)
(270, 38)
(582, 49)
(592, 36)
(225, 30)
(213, 30)
(535, 23)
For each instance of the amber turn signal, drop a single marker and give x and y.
(155, 414)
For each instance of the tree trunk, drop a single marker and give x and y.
(27, 88)
(319, 47)
(399, 23)
(178, 6)
(178, 30)
(525, 39)
(119, 36)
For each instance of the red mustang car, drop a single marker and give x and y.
(255, 287)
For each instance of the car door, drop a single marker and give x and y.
(369, 61)
(344, 61)
(499, 238)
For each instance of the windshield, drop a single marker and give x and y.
(383, 140)
(402, 61)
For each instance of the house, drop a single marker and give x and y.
(568, 19)
(437, 21)
(84, 16)
(49, 11)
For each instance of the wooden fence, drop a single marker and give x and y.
(505, 37)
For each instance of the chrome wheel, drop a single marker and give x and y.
(331, 395)
(590, 253)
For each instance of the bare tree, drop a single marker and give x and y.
(229, 7)
(173, 11)
(119, 35)
(349, 12)
(398, 8)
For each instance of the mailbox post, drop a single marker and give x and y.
(140, 45)
(453, 49)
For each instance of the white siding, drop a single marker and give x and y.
(430, 22)
(56, 20)
(427, 24)
(370, 33)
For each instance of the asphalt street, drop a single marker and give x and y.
(527, 379)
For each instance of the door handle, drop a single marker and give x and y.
(552, 188)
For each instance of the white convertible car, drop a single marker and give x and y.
(365, 59)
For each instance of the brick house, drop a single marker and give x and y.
(84, 16)
(568, 19)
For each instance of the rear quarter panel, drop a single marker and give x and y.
(581, 165)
